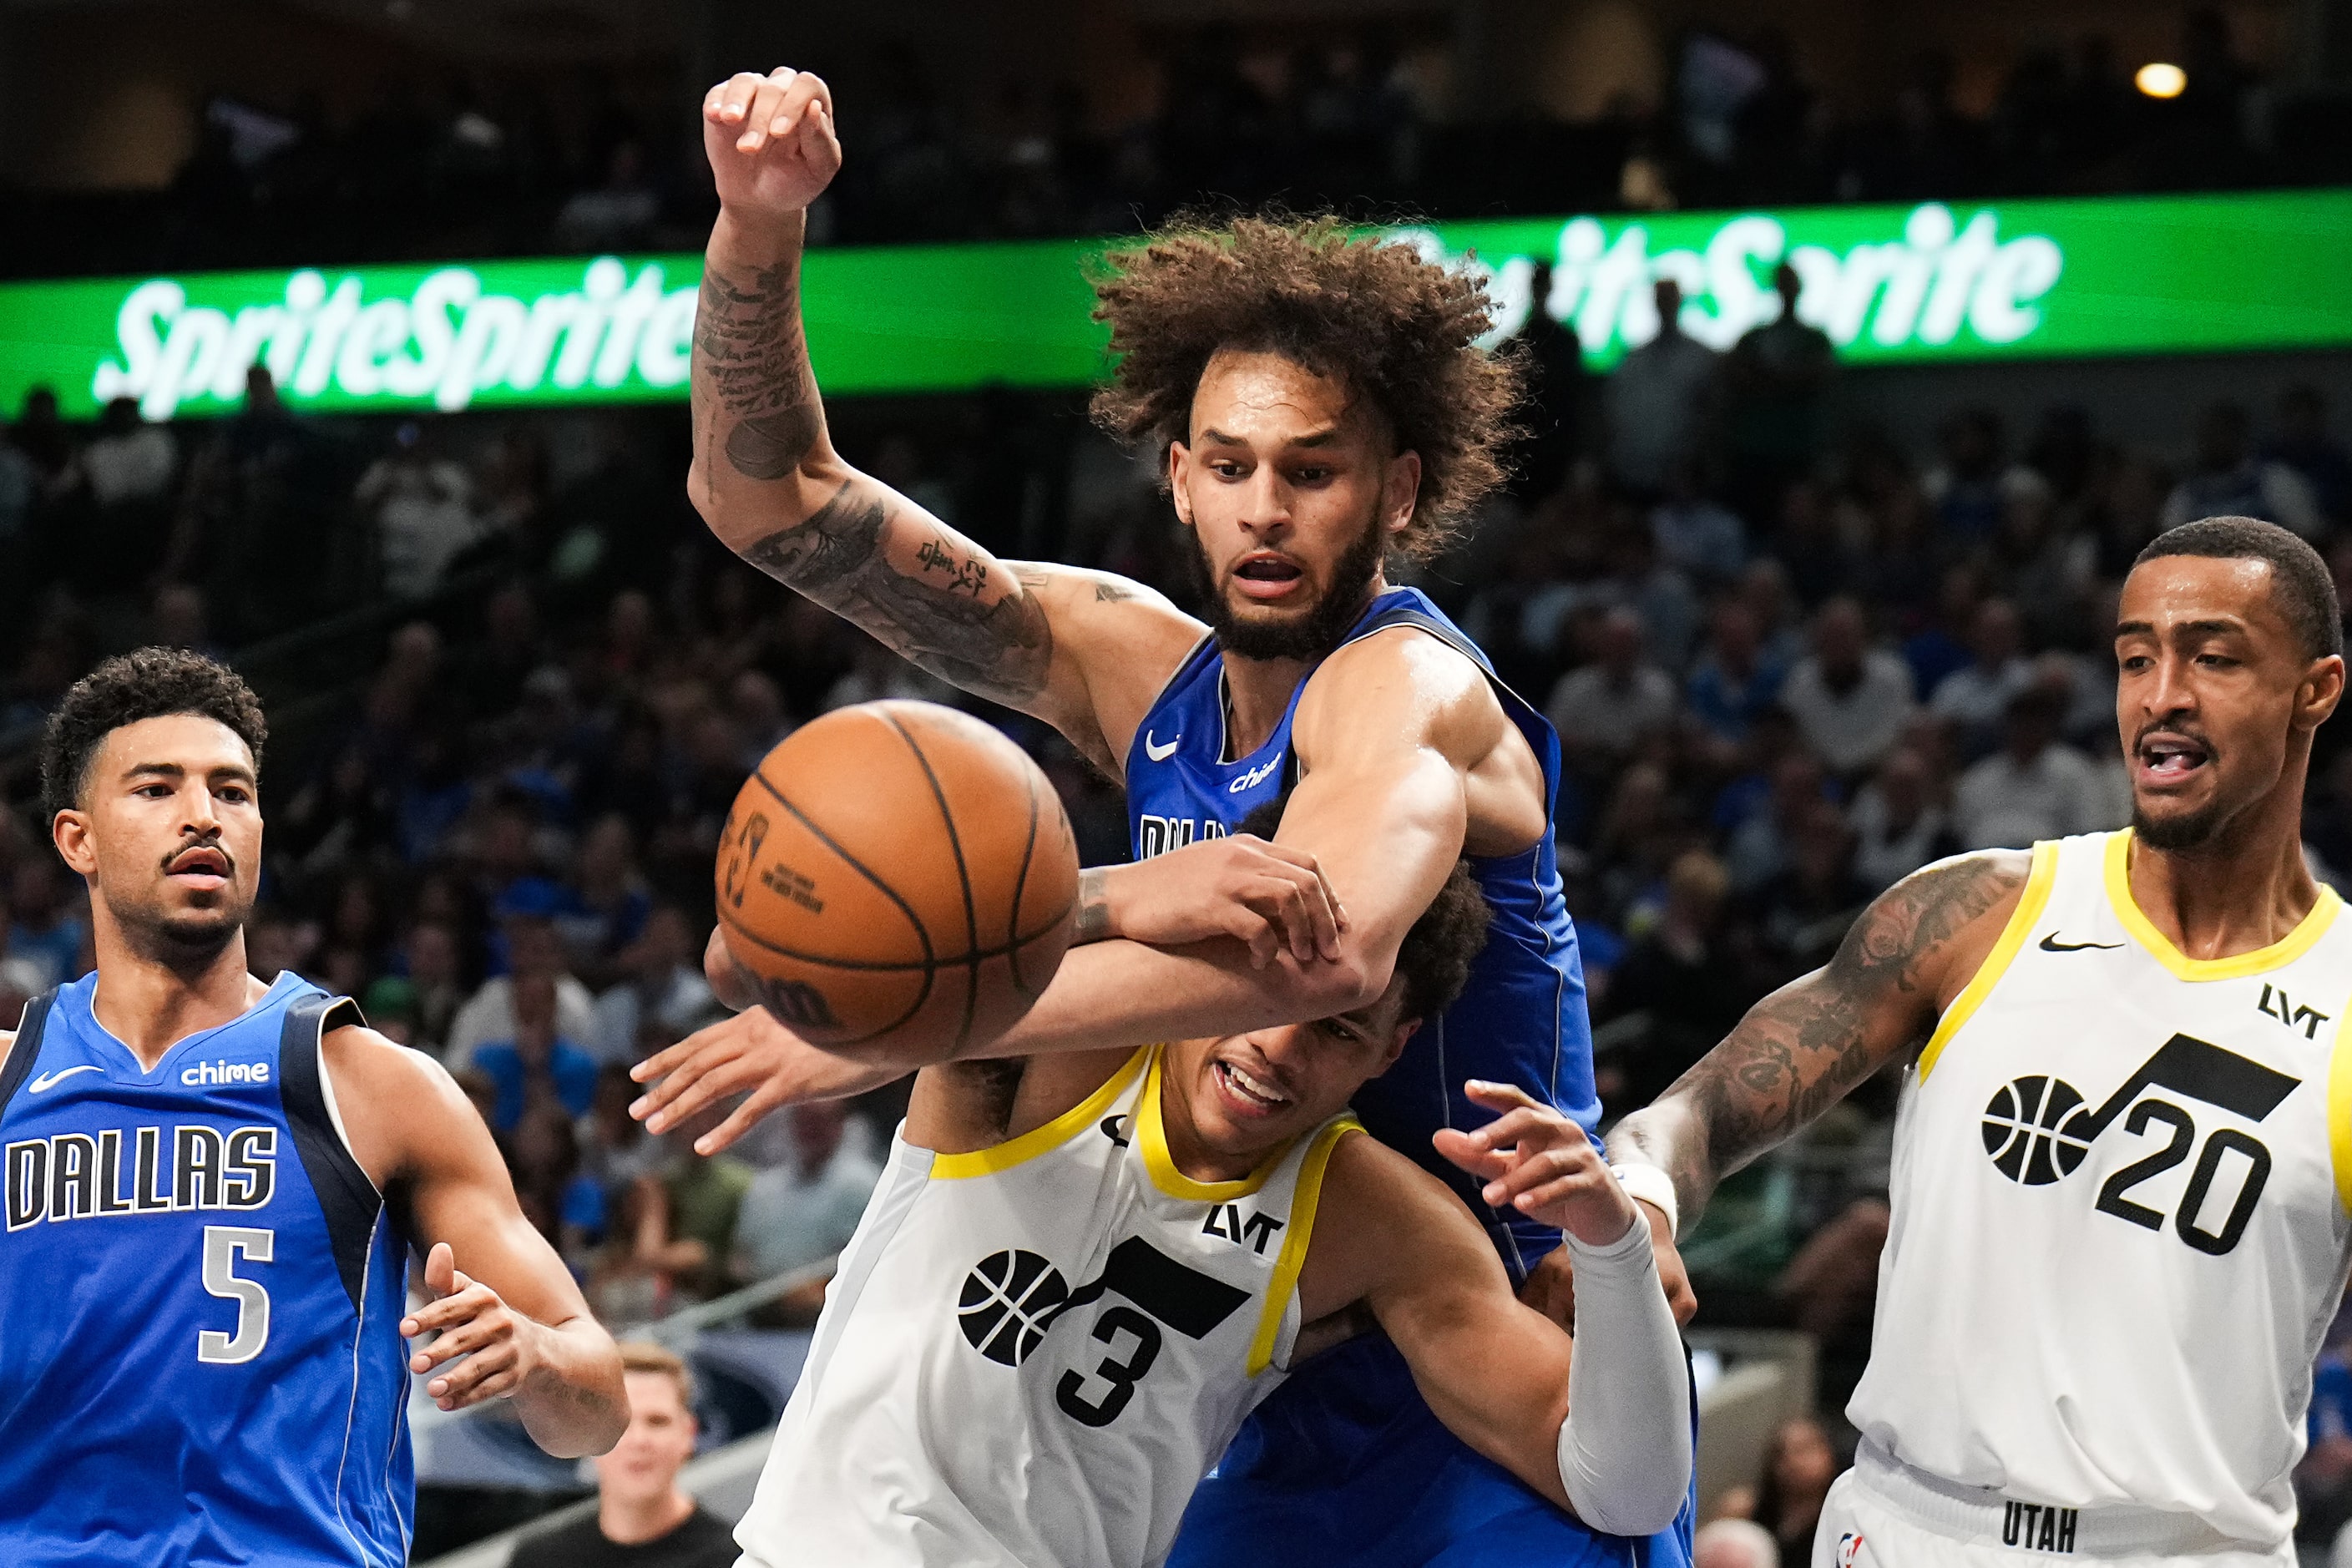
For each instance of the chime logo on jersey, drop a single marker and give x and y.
(79, 1175)
(2037, 1130)
(1010, 1300)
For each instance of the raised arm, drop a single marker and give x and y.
(1801, 1049)
(503, 1302)
(767, 480)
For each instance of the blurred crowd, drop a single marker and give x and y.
(1364, 121)
(515, 687)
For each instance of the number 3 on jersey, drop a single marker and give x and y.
(223, 1242)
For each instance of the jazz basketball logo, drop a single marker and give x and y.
(2037, 1130)
(1011, 1300)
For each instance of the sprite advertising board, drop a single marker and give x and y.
(1934, 283)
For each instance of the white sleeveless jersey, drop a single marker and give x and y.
(2119, 1196)
(1031, 1354)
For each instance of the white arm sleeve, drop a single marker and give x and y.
(1626, 1447)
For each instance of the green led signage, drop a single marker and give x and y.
(1913, 285)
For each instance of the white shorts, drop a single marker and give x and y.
(1881, 1514)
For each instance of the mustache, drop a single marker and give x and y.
(211, 842)
(2190, 733)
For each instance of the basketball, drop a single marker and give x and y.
(901, 870)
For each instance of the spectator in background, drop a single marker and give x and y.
(1679, 972)
(1733, 683)
(1799, 1466)
(1734, 1543)
(1696, 535)
(1659, 401)
(420, 505)
(2229, 481)
(608, 902)
(532, 949)
(1850, 700)
(643, 1519)
(435, 985)
(687, 1216)
(563, 1204)
(807, 1208)
(536, 1065)
(45, 927)
(2035, 787)
(129, 462)
(1974, 697)
(1966, 486)
(617, 215)
(1777, 386)
(2304, 445)
(1898, 824)
(663, 996)
(1552, 409)
(1604, 709)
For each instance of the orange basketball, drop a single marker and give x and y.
(901, 869)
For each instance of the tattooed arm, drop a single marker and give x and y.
(1084, 651)
(1800, 1050)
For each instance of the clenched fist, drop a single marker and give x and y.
(771, 142)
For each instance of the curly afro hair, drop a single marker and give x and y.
(1374, 316)
(147, 683)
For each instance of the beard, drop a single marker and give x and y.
(1309, 636)
(180, 938)
(2192, 830)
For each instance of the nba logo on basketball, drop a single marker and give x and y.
(1849, 1548)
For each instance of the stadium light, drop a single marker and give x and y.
(2159, 79)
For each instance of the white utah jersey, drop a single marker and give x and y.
(2119, 1197)
(1031, 1354)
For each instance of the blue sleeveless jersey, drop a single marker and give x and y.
(200, 1300)
(1521, 1019)
(1345, 1463)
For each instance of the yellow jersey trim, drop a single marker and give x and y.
(1039, 1140)
(2339, 1109)
(2030, 905)
(1151, 1140)
(1296, 1236)
(2285, 951)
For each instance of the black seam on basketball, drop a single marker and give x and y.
(855, 864)
(1021, 885)
(963, 879)
(930, 971)
(864, 966)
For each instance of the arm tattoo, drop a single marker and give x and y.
(934, 616)
(1801, 1049)
(751, 371)
(1094, 909)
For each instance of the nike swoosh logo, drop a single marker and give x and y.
(2051, 945)
(51, 1079)
(1159, 754)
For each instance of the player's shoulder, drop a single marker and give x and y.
(389, 1079)
(1380, 1219)
(1409, 676)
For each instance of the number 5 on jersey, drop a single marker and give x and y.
(223, 1244)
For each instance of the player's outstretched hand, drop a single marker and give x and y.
(500, 1346)
(1270, 896)
(1540, 1163)
(749, 1052)
(771, 142)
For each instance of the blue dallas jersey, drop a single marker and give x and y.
(200, 1300)
(1345, 1463)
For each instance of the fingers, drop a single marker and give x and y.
(1528, 1123)
(1471, 1155)
(469, 1301)
(440, 1269)
(494, 1371)
(1497, 1096)
(1312, 915)
(715, 1052)
(741, 1120)
(771, 107)
(1544, 1168)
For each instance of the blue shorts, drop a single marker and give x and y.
(1345, 1464)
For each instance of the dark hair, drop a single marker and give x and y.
(1437, 953)
(1391, 327)
(147, 683)
(2300, 580)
